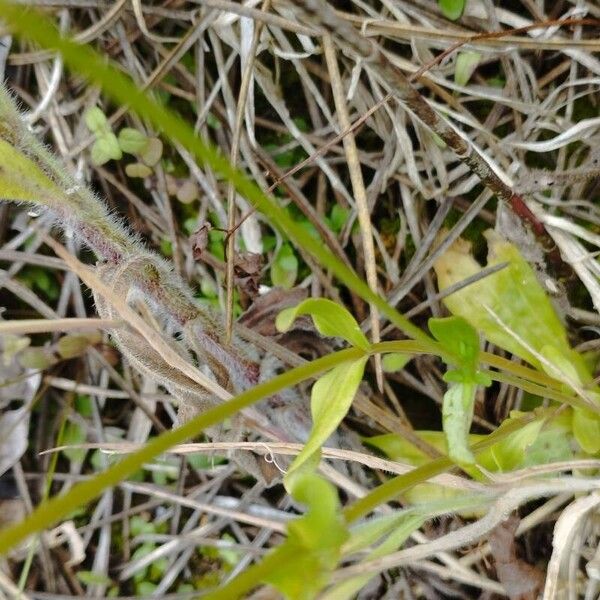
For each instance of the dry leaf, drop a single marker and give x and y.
(199, 240)
(521, 580)
(247, 272)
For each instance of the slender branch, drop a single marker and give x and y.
(242, 100)
(322, 16)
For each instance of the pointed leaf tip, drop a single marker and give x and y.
(330, 319)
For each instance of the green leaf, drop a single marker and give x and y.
(457, 414)
(509, 307)
(141, 551)
(466, 63)
(84, 405)
(459, 339)
(338, 217)
(557, 365)
(91, 578)
(71, 345)
(284, 269)
(510, 453)
(73, 434)
(138, 526)
(96, 121)
(538, 442)
(158, 568)
(404, 526)
(331, 398)
(230, 556)
(330, 318)
(36, 358)
(586, 429)
(399, 448)
(132, 141)
(370, 531)
(145, 588)
(452, 9)
(106, 148)
(323, 525)
(394, 361)
(553, 444)
(315, 539)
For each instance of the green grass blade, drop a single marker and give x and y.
(51, 511)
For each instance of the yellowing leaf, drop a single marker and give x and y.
(22, 180)
(330, 319)
(13, 345)
(509, 307)
(152, 151)
(72, 345)
(331, 398)
(138, 169)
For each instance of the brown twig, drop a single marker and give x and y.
(322, 16)
(498, 35)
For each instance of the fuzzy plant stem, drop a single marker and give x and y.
(31, 173)
(323, 17)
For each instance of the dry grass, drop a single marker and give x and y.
(261, 83)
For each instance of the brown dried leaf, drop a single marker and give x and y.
(247, 272)
(521, 580)
(199, 240)
(260, 317)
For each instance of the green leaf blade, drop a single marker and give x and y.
(330, 319)
(331, 398)
(284, 269)
(457, 414)
(317, 538)
(452, 9)
(466, 63)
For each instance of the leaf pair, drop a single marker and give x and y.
(461, 342)
(315, 539)
(333, 393)
(131, 141)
